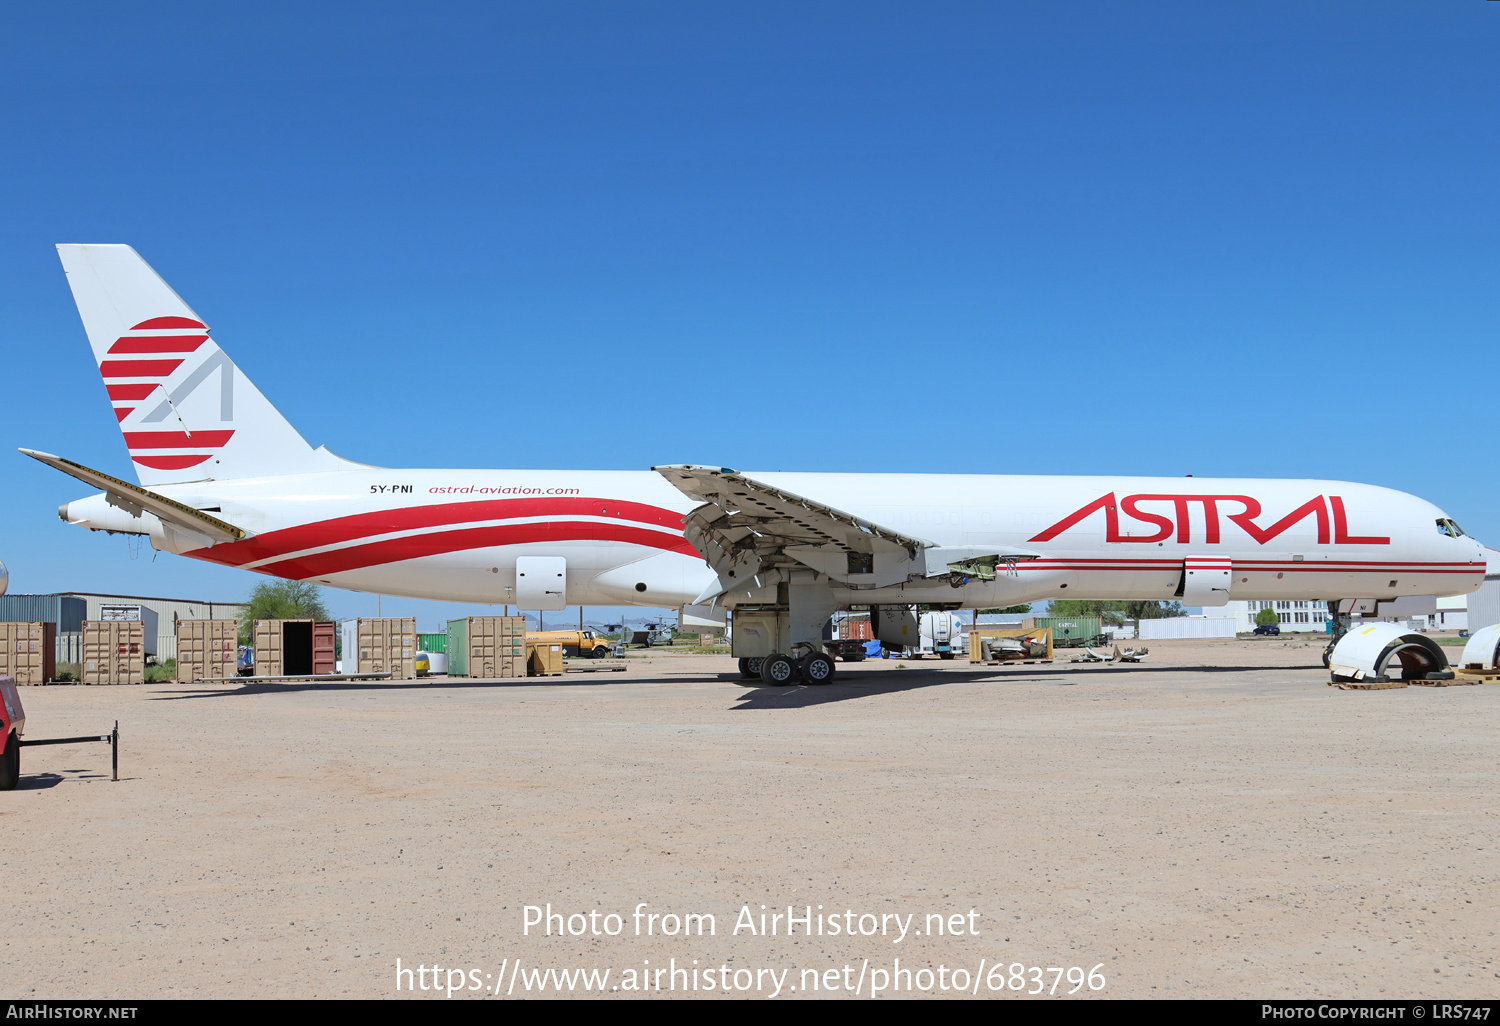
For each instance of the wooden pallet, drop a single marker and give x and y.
(1446, 683)
(1379, 685)
(1477, 675)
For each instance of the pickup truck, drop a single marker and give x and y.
(13, 721)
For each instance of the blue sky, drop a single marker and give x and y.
(1227, 239)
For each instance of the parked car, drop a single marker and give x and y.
(1267, 628)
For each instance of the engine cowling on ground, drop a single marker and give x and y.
(1482, 652)
(1379, 651)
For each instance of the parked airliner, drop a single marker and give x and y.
(222, 476)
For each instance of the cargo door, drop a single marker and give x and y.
(1205, 580)
(267, 642)
(541, 582)
(324, 658)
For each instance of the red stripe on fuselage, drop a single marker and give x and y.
(410, 518)
(394, 550)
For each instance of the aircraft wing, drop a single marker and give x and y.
(133, 499)
(752, 531)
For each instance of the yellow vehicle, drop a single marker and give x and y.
(584, 643)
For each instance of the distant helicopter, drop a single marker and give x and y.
(646, 635)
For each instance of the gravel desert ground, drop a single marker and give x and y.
(1214, 822)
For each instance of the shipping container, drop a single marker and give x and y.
(114, 652)
(28, 651)
(1162, 628)
(133, 612)
(1068, 630)
(856, 630)
(487, 646)
(385, 645)
(543, 659)
(294, 648)
(206, 649)
(66, 611)
(433, 642)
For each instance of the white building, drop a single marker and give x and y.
(1305, 615)
(1446, 614)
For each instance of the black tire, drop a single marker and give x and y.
(945, 655)
(1328, 658)
(817, 668)
(750, 667)
(599, 652)
(10, 763)
(778, 670)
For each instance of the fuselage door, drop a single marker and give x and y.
(541, 582)
(1206, 580)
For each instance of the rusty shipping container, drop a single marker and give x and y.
(294, 648)
(206, 649)
(28, 652)
(385, 645)
(487, 646)
(114, 652)
(856, 630)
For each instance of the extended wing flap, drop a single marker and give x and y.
(748, 528)
(127, 495)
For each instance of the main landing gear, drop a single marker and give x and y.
(781, 670)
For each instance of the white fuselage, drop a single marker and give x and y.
(456, 534)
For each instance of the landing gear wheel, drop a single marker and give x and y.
(750, 667)
(778, 670)
(817, 668)
(10, 763)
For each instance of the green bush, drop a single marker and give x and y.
(161, 673)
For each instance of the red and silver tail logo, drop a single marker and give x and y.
(136, 371)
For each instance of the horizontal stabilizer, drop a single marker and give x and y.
(135, 499)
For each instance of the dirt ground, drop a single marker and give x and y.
(1213, 822)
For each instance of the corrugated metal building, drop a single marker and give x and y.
(70, 608)
(67, 611)
(1484, 604)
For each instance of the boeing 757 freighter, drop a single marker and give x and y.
(220, 475)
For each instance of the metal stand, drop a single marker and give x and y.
(112, 738)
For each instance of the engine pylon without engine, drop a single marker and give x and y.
(1379, 651)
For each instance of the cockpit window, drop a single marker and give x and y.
(1449, 528)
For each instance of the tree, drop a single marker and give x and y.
(282, 600)
(1140, 609)
(1116, 612)
(1024, 607)
(1267, 618)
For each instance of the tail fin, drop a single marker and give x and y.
(186, 411)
